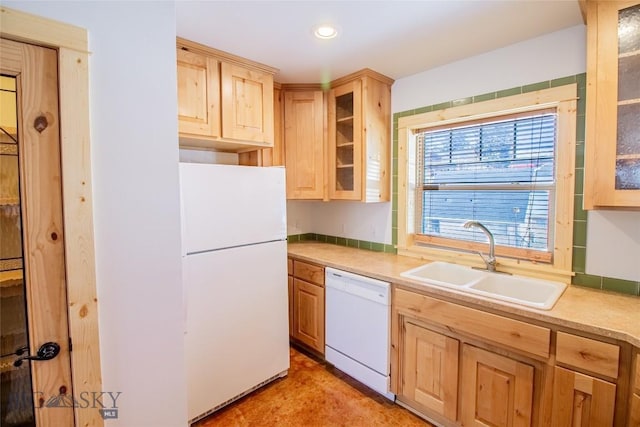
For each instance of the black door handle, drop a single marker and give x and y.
(47, 351)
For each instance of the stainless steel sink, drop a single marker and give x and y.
(536, 293)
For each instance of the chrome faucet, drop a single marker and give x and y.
(489, 261)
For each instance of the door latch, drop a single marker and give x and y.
(47, 351)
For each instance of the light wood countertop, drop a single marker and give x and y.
(597, 312)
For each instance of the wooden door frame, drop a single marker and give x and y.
(72, 46)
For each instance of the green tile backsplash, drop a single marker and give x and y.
(579, 215)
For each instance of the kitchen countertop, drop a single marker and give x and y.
(592, 311)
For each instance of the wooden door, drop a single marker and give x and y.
(430, 369)
(34, 270)
(247, 104)
(198, 94)
(581, 400)
(345, 141)
(308, 314)
(496, 390)
(304, 144)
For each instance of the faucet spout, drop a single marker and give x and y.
(489, 261)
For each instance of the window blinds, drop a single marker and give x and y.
(498, 171)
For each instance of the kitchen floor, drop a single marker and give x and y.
(313, 394)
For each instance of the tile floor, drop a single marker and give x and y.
(313, 395)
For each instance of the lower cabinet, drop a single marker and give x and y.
(306, 304)
(430, 370)
(496, 390)
(308, 314)
(582, 400)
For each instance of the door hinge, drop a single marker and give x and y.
(70, 344)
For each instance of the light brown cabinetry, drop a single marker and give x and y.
(304, 143)
(224, 102)
(459, 365)
(612, 156)
(634, 404)
(582, 400)
(198, 94)
(306, 305)
(496, 390)
(338, 143)
(359, 120)
(430, 369)
(579, 398)
(439, 356)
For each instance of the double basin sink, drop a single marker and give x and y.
(535, 293)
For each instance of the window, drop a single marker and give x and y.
(507, 163)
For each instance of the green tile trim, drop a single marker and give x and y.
(485, 97)
(462, 101)
(442, 106)
(587, 280)
(579, 155)
(579, 259)
(621, 286)
(579, 181)
(536, 86)
(563, 81)
(580, 233)
(509, 92)
(342, 241)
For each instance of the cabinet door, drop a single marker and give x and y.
(345, 141)
(290, 285)
(430, 370)
(304, 144)
(634, 412)
(581, 400)
(496, 390)
(308, 307)
(198, 94)
(247, 104)
(612, 162)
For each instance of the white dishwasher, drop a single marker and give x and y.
(358, 312)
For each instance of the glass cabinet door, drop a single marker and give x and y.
(612, 151)
(345, 145)
(628, 133)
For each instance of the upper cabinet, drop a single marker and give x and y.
(612, 156)
(224, 102)
(304, 142)
(338, 142)
(359, 118)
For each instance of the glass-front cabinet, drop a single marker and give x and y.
(612, 152)
(359, 137)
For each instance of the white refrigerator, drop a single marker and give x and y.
(234, 280)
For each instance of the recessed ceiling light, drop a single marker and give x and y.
(325, 31)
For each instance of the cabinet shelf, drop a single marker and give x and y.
(629, 54)
(629, 101)
(344, 119)
(346, 166)
(345, 145)
(635, 156)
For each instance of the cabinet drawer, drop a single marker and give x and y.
(290, 266)
(309, 272)
(502, 330)
(590, 355)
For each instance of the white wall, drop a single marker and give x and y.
(555, 55)
(136, 202)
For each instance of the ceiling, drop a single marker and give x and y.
(395, 38)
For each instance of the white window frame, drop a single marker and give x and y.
(563, 100)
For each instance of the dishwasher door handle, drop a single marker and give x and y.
(368, 292)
